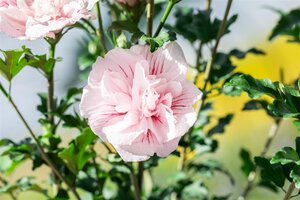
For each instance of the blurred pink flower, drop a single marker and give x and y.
(33, 19)
(129, 2)
(139, 101)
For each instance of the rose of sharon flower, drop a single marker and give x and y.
(128, 2)
(33, 19)
(139, 101)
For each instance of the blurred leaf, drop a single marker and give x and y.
(77, 154)
(158, 41)
(222, 68)
(24, 184)
(210, 166)
(289, 24)
(257, 105)
(220, 127)
(285, 155)
(241, 54)
(268, 185)
(190, 24)
(196, 190)
(295, 175)
(247, 165)
(270, 172)
(126, 25)
(74, 121)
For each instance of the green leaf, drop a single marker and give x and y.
(295, 175)
(77, 154)
(297, 141)
(196, 190)
(269, 185)
(24, 184)
(240, 54)
(222, 68)
(254, 87)
(158, 41)
(126, 25)
(41, 62)
(247, 165)
(289, 24)
(190, 24)
(257, 105)
(14, 61)
(220, 127)
(270, 172)
(286, 155)
(209, 166)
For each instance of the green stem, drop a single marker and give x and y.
(165, 16)
(150, 14)
(140, 174)
(289, 192)
(50, 100)
(97, 175)
(137, 193)
(100, 30)
(208, 68)
(39, 146)
(252, 175)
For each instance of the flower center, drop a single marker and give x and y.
(149, 102)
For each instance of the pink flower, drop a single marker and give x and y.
(139, 101)
(33, 19)
(128, 2)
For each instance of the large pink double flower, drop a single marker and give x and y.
(139, 101)
(33, 19)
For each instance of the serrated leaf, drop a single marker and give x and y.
(159, 41)
(14, 61)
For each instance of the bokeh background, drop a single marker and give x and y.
(248, 129)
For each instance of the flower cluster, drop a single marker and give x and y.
(33, 19)
(139, 101)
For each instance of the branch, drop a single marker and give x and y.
(165, 16)
(100, 30)
(39, 146)
(150, 14)
(251, 178)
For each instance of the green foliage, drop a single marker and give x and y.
(78, 153)
(286, 99)
(285, 164)
(247, 163)
(288, 25)
(14, 61)
(14, 154)
(189, 23)
(158, 41)
(26, 183)
(220, 127)
(270, 172)
(286, 155)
